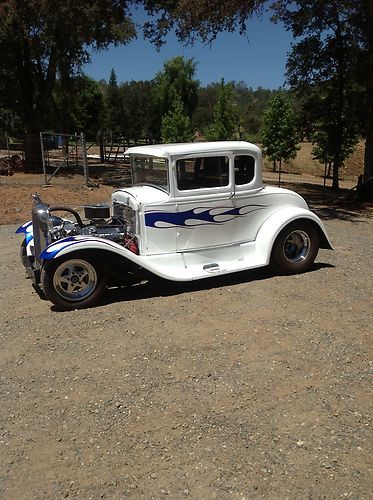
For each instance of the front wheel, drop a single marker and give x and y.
(73, 283)
(295, 248)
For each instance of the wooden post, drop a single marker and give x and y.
(43, 157)
(102, 151)
(325, 176)
(85, 160)
(7, 142)
(76, 149)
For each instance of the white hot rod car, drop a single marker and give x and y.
(193, 211)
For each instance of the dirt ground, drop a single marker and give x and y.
(247, 386)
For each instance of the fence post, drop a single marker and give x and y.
(85, 160)
(43, 157)
(102, 151)
(7, 143)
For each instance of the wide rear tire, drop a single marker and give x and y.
(295, 248)
(73, 282)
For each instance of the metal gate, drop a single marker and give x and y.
(63, 151)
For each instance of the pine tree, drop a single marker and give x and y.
(225, 125)
(176, 125)
(115, 113)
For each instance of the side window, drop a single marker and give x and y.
(202, 172)
(244, 169)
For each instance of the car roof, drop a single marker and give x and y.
(166, 150)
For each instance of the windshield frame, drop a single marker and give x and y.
(147, 179)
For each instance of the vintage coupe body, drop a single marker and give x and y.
(193, 211)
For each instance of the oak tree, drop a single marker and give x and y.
(326, 62)
(42, 41)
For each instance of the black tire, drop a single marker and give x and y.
(23, 251)
(73, 282)
(295, 248)
(27, 260)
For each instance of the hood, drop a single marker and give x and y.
(139, 195)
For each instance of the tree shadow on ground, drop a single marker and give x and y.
(328, 203)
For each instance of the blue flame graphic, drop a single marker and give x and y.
(198, 216)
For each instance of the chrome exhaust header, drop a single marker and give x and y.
(42, 226)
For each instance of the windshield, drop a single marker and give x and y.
(150, 170)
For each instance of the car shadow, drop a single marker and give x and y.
(159, 287)
(166, 288)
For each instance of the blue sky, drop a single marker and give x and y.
(259, 59)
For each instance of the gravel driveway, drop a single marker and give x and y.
(247, 386)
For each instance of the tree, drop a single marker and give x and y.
(326, 61)
(193, 18)
(176, 125)
(324, 135)
(205, 108)
(43, 41)
(279, 134)
(88, 109)
(224, 126)
(251, 107)
(367, 24)
(177, 79)
(116, 120)
(138, 101)
(343, 24)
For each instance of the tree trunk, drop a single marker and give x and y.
(33, 155)
(368, 157)
(336, 166)
(102, 148)
(364, 192)
(32, 147)
(329, 169)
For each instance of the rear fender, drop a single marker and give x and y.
(280, 219)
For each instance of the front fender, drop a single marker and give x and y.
(27, 230)
(72, 244)
(166, 266)
(272, 226)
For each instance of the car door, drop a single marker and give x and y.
(204, 196)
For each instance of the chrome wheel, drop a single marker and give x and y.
(297, 246)
(75, 280)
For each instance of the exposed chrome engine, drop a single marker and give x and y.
(48, 228)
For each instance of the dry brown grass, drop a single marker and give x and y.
(304, 163)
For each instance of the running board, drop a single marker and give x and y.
(199, 264)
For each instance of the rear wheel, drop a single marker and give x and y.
(73, 283)
(295, 248)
